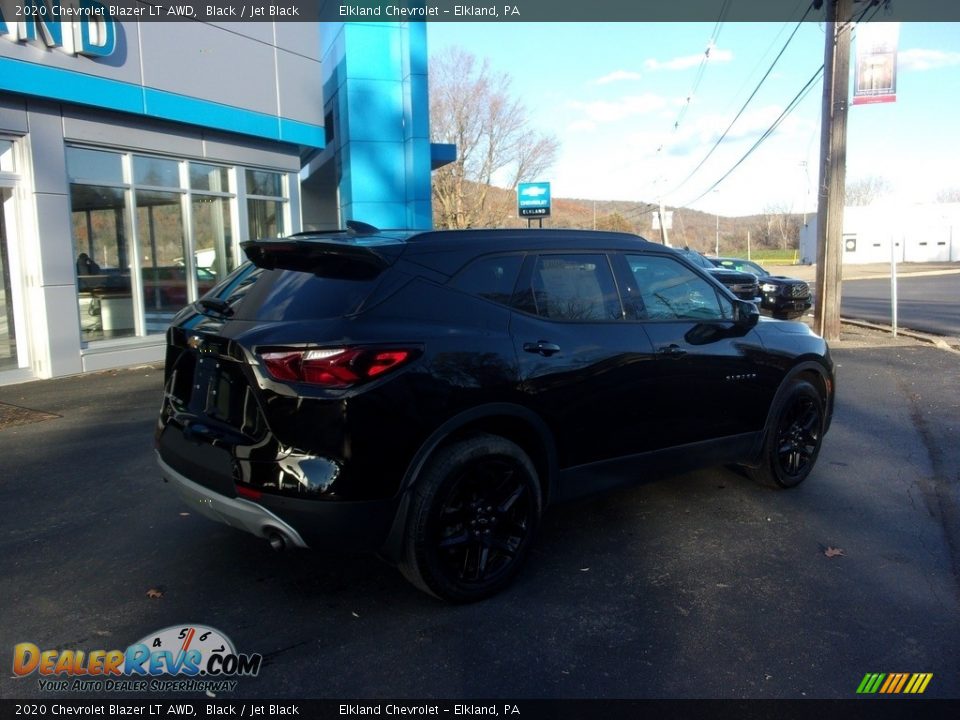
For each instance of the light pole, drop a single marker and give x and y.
(717, 252)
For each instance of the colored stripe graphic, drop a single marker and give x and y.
(867, 684)
(903, 679)
(894, 683)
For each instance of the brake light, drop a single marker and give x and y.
(248, 493)
(335, 367)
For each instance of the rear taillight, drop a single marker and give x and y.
(335, 367)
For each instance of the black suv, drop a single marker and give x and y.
(426, 394)
(783, 297)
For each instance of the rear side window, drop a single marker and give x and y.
(283, 295)
(491, 278)
(575, 287)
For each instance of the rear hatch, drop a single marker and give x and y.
(241, 359)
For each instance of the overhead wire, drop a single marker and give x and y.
(745, 104)
(698, 78)
(791, 106)
(767, 133)
(736, 97)
(701, 69)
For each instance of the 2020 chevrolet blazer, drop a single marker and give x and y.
(426, 395)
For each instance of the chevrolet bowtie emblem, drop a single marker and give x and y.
(195, 341)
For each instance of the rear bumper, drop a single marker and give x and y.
(340, 525)
(236, 512)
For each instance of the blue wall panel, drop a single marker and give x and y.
(375, 82)
(67, 86)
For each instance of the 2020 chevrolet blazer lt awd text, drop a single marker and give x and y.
(426, 395)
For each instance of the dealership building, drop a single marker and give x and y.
(135, 157)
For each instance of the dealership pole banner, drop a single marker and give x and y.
(875, 76)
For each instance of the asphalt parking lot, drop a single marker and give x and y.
(702, 585)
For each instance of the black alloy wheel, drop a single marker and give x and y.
(793, 441)
(798, 435)
(474, 518)
(483, 521)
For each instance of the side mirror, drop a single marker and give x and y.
(746, 313)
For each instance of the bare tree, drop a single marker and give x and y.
(473, 107)
(866, 190)
(778, 227)
(616, 222)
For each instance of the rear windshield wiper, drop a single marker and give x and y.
(221, 307)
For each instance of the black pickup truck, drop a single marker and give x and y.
(742, 283)
(783, 297)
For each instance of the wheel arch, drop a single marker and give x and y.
(813, 372)
(515, 423)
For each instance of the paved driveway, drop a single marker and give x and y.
(702, 585)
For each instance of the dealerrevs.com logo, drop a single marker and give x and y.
(184, 658)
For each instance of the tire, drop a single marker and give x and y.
(474, 515)
(793, 439)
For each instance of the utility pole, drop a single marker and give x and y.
(664, 238)
(717, 249)
(833, 153)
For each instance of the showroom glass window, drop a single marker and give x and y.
(161, 240)
(265, 204)
(211, 223)
(101, 225)
(152, 234)
(11, 310)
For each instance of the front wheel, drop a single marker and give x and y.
(794, 437)
(475, 512)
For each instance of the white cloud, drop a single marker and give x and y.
(919, 59)
(581, 126)
(604, 111)
(688, 61)
(617, 76)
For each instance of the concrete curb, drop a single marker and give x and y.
(935, 340)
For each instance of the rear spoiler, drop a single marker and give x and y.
(323, 256)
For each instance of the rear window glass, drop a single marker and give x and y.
(285, 295)
(491, 278)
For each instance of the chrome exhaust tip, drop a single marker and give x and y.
(277, 541)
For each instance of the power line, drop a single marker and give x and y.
(791, 106)
(701, 69)
(745, 104)
(736, 97)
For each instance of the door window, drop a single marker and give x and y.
(664, 289)
(575, 287)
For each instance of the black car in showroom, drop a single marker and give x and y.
(425, 395)
(741, 283)
(783, 297)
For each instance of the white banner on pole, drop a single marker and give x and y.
(875, 74)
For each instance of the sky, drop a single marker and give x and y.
(615, 96)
